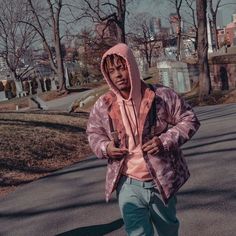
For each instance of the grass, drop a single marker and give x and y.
(35, 144)
(7, 105)
(24, 102)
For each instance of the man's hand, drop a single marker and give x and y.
(153, 146)
(114, 152)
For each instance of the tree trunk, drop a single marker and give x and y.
(179, 32)
(196, 41)
(121, 10)
(60, 66)
(178, 46)
(215, 31)
(122, 36)
(204, 77)
(59, 59)
(121, 32)
(178, 56)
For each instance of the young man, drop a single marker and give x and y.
(129, 126)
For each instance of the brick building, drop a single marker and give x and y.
(228, 34)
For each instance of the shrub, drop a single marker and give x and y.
(1, 86)
(34, 85)
(13, 88)
(26, 86)
(41, 80)
(8, 89)
(48, 84)
(7, 86)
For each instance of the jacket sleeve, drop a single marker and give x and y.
(183, 120)
(97, 135)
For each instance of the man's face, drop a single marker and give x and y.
(119, 75)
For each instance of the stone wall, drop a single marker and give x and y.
(223, 71)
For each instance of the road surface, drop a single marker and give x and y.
(71, 201)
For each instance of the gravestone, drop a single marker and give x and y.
(39, 88)
(175, 75)
(164, 68)
(53, 85)
(44, 84)
(67, 77)
(19, 89)
(145, 69)
(181, 79)
(30, 87)
(3, 96)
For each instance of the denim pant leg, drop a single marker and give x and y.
(133, 203)
(164, 216)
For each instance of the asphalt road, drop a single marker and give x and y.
(71, 201)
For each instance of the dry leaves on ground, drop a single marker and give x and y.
(35, 144)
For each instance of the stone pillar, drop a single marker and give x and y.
(30, 87)
(165, 73)
(19, 88)
(53, 84)
(66, 76)
(44, 84)
(39, 89)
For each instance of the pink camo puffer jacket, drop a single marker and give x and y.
(175, 124)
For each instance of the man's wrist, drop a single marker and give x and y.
(163, 144)
(104, 149)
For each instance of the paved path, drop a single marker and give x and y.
(64, 103)
(71, 201)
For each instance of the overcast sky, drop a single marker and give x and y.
(162, 8)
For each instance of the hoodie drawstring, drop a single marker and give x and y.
(136, 120)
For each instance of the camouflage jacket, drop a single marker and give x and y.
(175, 124)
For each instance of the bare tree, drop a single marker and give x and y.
(48, 17)
(109, 12)
(213, 12)
(204, 77)
(191, 6)
(143, 37)
(94, 47)
(16, 39)
(177, 5)
(214, 7)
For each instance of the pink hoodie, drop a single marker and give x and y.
(135, 165)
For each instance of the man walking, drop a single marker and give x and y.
(139, 129)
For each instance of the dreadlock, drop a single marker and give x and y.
(112, 60)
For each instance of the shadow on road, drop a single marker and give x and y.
(79, 169)
(211, 136)
(209, 143)
(215, 116)
(212, 200)
(217, 151)
(77, 90)
(21, 214)
(95, 230)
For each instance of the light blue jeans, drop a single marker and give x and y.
(142, 208)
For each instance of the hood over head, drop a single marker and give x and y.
(125, 52)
